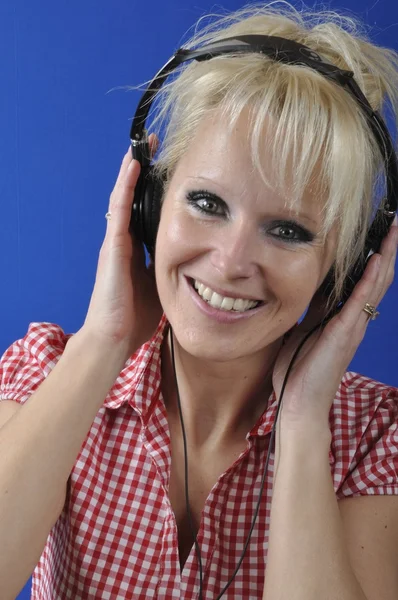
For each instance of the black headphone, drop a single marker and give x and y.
(149, 189)
(148, 194)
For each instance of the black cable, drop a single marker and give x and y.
(188, 506)
(197, 548)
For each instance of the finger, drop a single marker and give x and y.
(350, 322)
(127, 159)
(388, 252)
(124, 166)
(373, 285)
(122, 196)
(121, 199)
(386, 261)
(153, 141)
(370, 293)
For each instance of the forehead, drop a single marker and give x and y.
(223, 156)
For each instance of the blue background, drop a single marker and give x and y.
(63, 137)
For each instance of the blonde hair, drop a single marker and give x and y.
(319, 127)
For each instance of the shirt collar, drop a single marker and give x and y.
(266, 420)
(139, 382)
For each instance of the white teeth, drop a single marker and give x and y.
(216, 300)
(207, 293)
(227, 304)
(240, 304)
(222, 302)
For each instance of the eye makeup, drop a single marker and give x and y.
(286, 230)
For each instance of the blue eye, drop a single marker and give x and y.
(206, 202)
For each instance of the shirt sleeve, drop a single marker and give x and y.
(365, 438)
(28, 361)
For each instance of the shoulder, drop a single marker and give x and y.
(366, 480)
(27, 361)
(354, 382)
(364, 426)
(359, 399)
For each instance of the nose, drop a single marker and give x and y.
(236, 252)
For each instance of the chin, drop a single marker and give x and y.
(212, 334)
(203, 348)
(208, 343)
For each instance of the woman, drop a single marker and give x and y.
(266, 193)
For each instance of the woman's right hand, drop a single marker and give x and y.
(124, 309)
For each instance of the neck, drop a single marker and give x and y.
(220, 401)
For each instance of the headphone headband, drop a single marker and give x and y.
(277, 48)
(145, 213)
(288, 52)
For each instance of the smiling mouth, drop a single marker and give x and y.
(225, 303)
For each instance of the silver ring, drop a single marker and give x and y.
(108, 216)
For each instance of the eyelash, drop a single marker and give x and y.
(193, 198)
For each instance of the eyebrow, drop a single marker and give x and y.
(305, 217)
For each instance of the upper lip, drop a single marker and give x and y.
(225, 293)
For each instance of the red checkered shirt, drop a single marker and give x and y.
(117, 536)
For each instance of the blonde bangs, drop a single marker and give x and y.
(320, 138)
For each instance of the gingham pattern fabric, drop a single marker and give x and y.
(117, 538)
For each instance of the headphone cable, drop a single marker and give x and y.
(271, 443)
(188, 506)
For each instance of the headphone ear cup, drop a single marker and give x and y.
(353, 276)
(374, 238)
(152, 200)
(377, 232)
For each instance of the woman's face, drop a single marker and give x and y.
(254, 265)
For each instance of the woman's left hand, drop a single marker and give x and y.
(325, 356)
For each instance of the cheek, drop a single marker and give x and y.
(294, 279)
(179, 240)
(173, 248)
